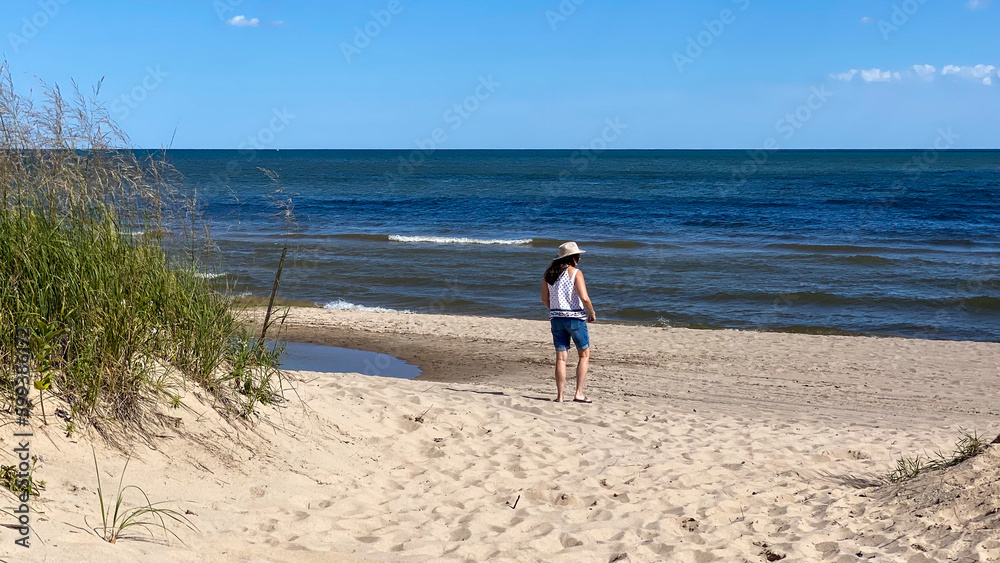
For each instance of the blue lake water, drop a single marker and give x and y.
(873, 242)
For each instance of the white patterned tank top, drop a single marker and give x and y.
(564, 301)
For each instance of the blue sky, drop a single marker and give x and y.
(542, 74)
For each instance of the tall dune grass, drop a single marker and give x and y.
(99, 253)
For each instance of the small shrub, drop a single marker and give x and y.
(254, 370)
(907, 468)
(14, 483)
(967, 447)
(115, 520)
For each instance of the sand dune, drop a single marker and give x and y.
(360, 468)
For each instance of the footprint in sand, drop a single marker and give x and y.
(569, 541)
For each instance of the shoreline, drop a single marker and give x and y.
(256, 302)
(732, 369)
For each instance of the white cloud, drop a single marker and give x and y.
(981, 73)
(867, 20)
(977, 4)
(925, 72)
(878, 75)
(278, 22)
(242, 21)
(845, 76)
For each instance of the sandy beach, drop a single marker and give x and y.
(700, 446)
(275, 280)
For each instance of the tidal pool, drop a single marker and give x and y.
(300, 356)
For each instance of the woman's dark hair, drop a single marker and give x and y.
(558, 265)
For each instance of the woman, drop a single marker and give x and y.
(565, 294)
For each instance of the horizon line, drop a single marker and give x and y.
(973, 149)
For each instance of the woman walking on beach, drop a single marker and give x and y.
(565, 294)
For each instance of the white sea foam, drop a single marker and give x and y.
(458, 240)
(342, 305)
(205, 276)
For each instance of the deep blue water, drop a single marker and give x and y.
(875, 242)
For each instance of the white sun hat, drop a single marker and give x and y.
(569, 249)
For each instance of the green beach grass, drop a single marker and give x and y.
(100, 256)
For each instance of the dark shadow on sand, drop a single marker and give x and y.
(476, 392)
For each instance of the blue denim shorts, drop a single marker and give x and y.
(564, 328)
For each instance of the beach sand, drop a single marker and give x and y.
(700, 446)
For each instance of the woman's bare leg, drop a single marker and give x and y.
(561, 357)
(581, 372)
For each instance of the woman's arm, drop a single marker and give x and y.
(581, 289)
(545, 294)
